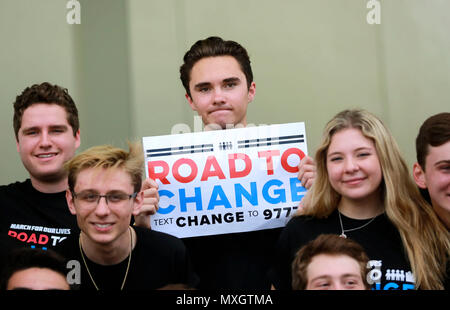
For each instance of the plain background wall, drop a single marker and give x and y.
(310, 59)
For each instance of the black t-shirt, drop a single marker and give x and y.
(233, 261)
(158, 259)
(388, 267)
(29, 218)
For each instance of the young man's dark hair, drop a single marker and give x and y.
(25, 258)
(45, 93)
(435, 131)
(211, 47)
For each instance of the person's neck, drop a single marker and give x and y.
(50, 187)
(108, 254)
(361, 209)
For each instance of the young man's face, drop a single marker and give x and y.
(104, 223)
(334, 272)
(45, 141)
(219, 92)
(436, 177)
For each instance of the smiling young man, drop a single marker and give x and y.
(432, 169)
(34, 213)
(45, 140)
(104, 192)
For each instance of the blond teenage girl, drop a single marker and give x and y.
(363, 191)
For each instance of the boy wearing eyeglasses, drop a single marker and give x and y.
(34, 213)
(104, 192)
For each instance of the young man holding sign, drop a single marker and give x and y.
(219, 85)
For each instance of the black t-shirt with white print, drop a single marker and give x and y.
(29, 218)
(157, 260)
(388, 266)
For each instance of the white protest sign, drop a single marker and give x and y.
(226, 181)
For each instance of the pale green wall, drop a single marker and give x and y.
(311, 59)
(36, 45)
(103, 72)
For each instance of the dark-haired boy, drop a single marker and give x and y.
(34, 213)
(432, 169)
(330, 262)
(34, 269)
(218, 80)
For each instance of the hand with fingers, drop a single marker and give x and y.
(306, 175)
(150, 204)
(307, 171)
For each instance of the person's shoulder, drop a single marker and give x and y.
(15, 186)
(306, 225)
(300, 221)
(155, 238)
(11, 193)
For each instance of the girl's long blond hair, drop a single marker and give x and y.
(424, 237)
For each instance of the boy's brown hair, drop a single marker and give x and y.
(435, 131)
(212, 47)
(331, 245)
(49, 94)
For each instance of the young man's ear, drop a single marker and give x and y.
(138, 202)
(251, 92)
(77, 139)
(70, 203)
(419, 176)
(191, 102)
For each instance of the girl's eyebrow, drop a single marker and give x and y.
(363, 148)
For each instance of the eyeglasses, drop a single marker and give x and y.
(112, 199)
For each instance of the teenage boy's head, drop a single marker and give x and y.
(34, 269)
(46, 127)
(104, 190)
(431, 172)
(218, 79)
(330, 262)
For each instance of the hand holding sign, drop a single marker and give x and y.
(150, 204)
(307, 172)
(227, 181)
